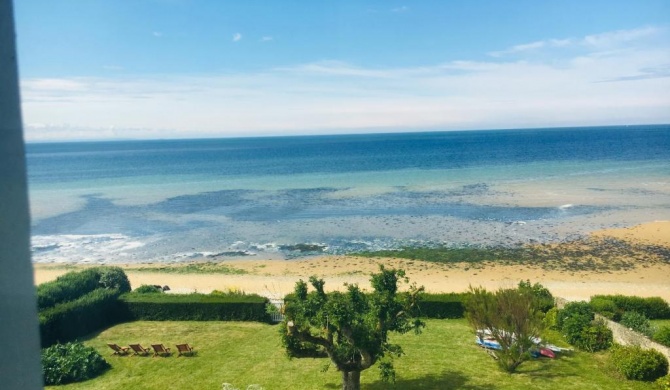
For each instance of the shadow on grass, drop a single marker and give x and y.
(441, 381)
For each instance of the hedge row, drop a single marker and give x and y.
(67, 321)
(193, 307)
(613, 306)
(67, 287)
(442, 305)
(74, 285)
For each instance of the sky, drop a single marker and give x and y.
(147, 69)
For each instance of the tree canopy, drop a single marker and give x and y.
(352, 327)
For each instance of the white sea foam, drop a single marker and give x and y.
(94, 248)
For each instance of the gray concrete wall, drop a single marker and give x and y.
(625, 336)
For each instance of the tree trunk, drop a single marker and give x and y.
(351, 380)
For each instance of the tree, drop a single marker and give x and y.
(511, 316)
(351, 327)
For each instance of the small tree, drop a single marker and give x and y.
(351, 327)
(511, 316)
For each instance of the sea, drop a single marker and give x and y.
(286, 197)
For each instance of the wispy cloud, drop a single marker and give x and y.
(334, 96)
(237, 37)
(403, 8)
(157, 34)
(266, 38)
(601, 41)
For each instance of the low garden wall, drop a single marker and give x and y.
(625, 336)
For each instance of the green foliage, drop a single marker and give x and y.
(511, 316)
(576, 322)
(148, 289)
(351, 327)
(550, 318)
(663, 383)
(652, 308)
(71, 362)
(595, 337)
(662, 336)
(73, 319)
(442, 305)
(605, 307)
(114, 278)
(639, 364)
(638, 322)
(67, 287)
(74, 285)
(193, 307)
(195, 268)
(545, 301)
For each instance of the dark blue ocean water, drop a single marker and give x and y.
(163, 198)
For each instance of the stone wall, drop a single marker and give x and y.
(625, 336)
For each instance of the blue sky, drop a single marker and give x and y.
(94, 69)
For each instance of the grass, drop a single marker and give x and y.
(194, 268)
(659, 323)
(243, 353)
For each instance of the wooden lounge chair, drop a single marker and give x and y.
(139, 350)
(118, 350)
(159, 349)
(185, 349)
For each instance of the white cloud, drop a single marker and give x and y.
(336, 96)
(266, 39)
(237, 37)
(157, 34)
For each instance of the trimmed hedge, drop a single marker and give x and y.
(70, 320)
(653, 308)
(67, 287)
(442, 305)
(74, 285)
(193, 307)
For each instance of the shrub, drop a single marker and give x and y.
(193, 307)
(71, 362)
(114, 278)
(662, 335)
(148, 289)
(550, 318)
(639, 364)
(637, 322)
(595, 337)
(543, 297)
(605, 307)
(442, 306)
(663, 383)
(67, 287)
(578, 314)
(653, 308)
(69, 320)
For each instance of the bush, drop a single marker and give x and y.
(543, 297)
(639, 364)
(605, 307)
(662, 336)
(576, 322)
(71, 362)
(442, 306)
(114, 278)
(67, 321)
(653, 308)
(193, 307)
(550, 318)
(595, 337)
(67, 287)
(148, 289)
(637, 322)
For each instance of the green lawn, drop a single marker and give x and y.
(659, 323)
(242, 353)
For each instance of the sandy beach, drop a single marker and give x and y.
(275, 278)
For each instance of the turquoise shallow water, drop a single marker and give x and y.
(183, 199)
